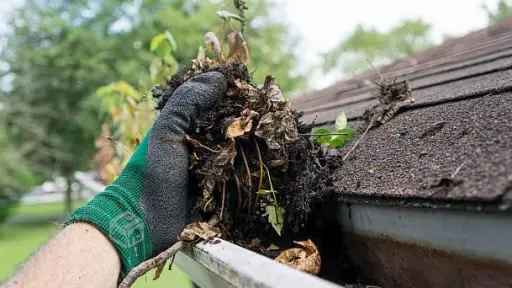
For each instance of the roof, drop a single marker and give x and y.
(453, 143)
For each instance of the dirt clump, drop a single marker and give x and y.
(253, 162)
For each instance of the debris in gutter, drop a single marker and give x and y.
(392, 96)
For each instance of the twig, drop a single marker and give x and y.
(358, 140)
(196, 143)
(223, 198)
(159, 270)
(457, 170)
(260, 183)
(378, 72)
(146, 266)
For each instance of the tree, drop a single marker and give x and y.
(15, 175)
(378, 47)
(60, 51)
(503, 10)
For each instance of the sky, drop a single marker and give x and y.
(321, 24)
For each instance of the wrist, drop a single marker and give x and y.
(117, 213)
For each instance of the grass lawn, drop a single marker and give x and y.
(43, 209)
(18, 241)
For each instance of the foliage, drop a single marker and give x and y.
(336, 138)
(58, 52)
(502, 11)
(371, 44)
(15, 175)
(130, 111)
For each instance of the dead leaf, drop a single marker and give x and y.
(278, 128)
(201, 230)
(306, 259)
(213, 44)
(201, 60)
(242, 124)
(276, 163)
(255, 243)
(238, 47)
(224, 159)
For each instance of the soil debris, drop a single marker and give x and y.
(250, 164)
(392, 96)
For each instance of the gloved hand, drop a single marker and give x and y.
(144, 210)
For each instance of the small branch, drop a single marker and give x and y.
(196, 143)
(146, 266)
(358, 140)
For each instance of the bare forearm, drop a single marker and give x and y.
(79, 256)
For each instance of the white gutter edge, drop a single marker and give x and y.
(225, 265)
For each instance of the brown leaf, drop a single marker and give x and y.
(278, 128)
(238, 47)
(255, 243)
(224, 159)
(306, 259)
(212, 44)
(242, 124)
(201, 230)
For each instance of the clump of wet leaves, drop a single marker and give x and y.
(252, 161)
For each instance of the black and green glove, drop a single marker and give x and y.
(144, 210)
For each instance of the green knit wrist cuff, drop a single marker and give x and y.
(116, 219)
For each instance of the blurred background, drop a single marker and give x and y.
(76, 76)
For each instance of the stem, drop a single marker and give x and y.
(271, 186)
(239, 201)
(260, 183)
(249, 178)
(146, 266)
(196, 143)
(207, 203)
(358, 140)
(223, 198)
(326, 134)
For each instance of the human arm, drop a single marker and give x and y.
(78, 256)
(144, 210)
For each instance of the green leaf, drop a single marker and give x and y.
(226, 15)
(157, 41)
(337, 141)
(350, 133)
(163, 50)
(172, 41)
(275, 217)
(341, 121)
(322, 131)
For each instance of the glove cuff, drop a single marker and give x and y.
(120, 222)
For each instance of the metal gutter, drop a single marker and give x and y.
(422, 247)
(225, 265)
